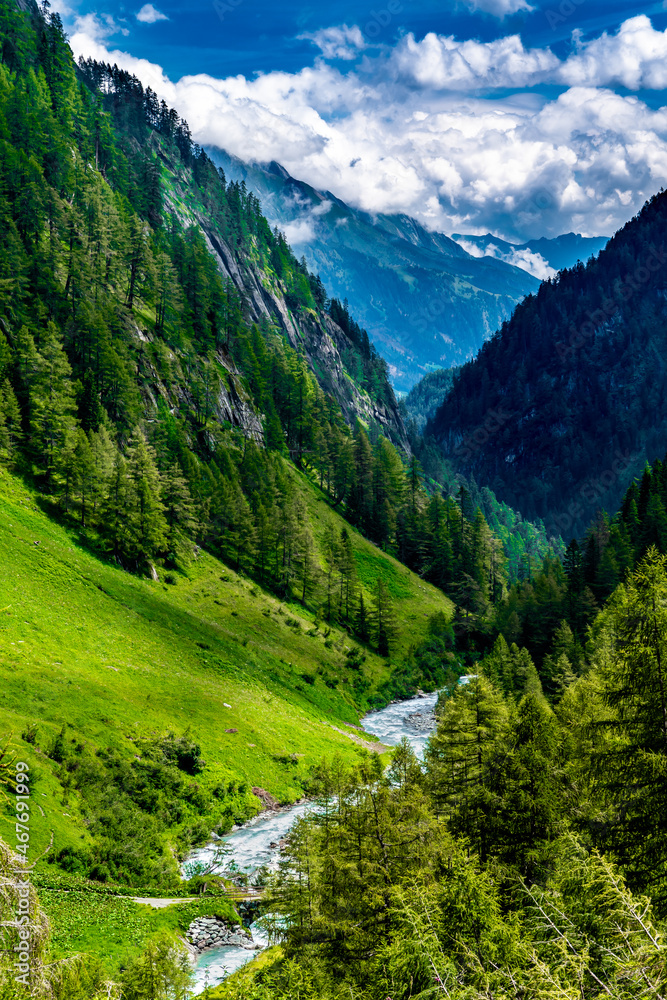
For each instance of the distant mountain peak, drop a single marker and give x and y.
(542, 257)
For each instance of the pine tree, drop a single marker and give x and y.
(84, 473)
(115, 509)
(179, 508)
(526, 780)
(631, 763)
(459, 755)
(52, 403)
(146, 520)
(384, 620)
(11, 434)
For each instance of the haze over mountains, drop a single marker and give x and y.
(542, 257)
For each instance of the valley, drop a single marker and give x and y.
(425, 302)
(379, 678)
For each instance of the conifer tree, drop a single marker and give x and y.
(11, 433)
(384, 619)
(631, 763)
(115, 508)
(84, 473)
(459, 756)
(52, 403)
(526, 782)
(146, 520)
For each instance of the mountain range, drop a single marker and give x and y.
(222, 543)
(542, 257)
(425, 302)
(428, 301)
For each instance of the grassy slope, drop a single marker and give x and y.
(116, 930)
(114, 656)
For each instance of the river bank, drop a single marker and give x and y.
(257, 844)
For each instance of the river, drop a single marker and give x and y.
(256, 843)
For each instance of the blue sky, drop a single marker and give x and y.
(519, 117)
(260, 36)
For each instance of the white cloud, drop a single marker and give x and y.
(635, 57)
(299, 233)
(338, 42)
(534, 263)
(149, 14)
(95, 29)
(393, 134)
(443, 62)
(62, 7)
(302, 228)
(526, 259)
(501, 8)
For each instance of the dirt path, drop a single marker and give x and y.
(161, 904)
(374, 746)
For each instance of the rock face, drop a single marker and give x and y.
(321, 340)
(212, 932)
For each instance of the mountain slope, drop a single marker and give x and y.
(425, 398)
(567, 402)
(113, 658)
(425, 302)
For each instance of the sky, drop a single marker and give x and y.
(523, 118)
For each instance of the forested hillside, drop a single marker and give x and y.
(567, 401)
(425, 398)
(527, 854)
(154, 388)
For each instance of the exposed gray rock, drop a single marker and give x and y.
(422, 722)
(212, 932)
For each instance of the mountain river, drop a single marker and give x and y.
(257, 843)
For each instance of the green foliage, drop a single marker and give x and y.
(574, 383)
(424, 399)
(631, 758)
(163, 972)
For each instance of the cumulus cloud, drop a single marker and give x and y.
(338, 42)
(501, 8)
(443, 62)
(95, 29)
(635, 57)
(149, 14)
(394, 133)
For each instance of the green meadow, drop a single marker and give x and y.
(116, 659)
